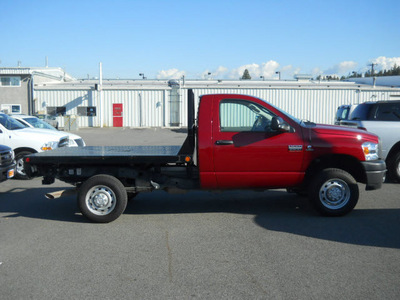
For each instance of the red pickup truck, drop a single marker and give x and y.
(238, 142)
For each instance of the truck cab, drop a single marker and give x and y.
(248, 143)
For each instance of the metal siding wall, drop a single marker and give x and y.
(318, 105)
(141, 108)
(71, 99)
(150, 108)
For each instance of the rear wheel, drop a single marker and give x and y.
(333, 192)
(102, 198)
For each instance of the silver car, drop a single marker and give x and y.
(49, 119)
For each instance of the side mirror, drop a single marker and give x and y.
(278, 124)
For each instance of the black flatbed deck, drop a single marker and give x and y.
(110, 155)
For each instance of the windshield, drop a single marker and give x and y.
(343, 113)
(286, 114)
(37, 123)
(10, 123)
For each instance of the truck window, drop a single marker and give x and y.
(362, 112)
(387, 112)
(241, 115)
(343, 113)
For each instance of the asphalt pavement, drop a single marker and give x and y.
(199, 245)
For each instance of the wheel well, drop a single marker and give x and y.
(18, 150)
(347, 163)
(395, 149)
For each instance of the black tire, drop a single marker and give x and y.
(102, 198)
(20, 168)
(393, 166)
(333, 192)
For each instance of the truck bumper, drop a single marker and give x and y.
(375, 174)
(7, 172)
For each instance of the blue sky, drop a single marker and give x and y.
(166, 39)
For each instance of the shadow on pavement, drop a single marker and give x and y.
(31, 203)
(272, 210)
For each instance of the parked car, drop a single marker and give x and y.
(48, 119)
(383, 119)
(23, 140)
(7, 163)
(343, 113)
(34, 122)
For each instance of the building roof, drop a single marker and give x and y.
(52, 74)
(114, 84)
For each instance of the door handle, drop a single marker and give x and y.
(223, 143)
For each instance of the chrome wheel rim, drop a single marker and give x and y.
(20, 167)
(101, 200)
(334, 194)
(398, 169)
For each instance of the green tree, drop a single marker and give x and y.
(246, 75)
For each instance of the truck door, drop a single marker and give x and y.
(117, 115)
(247, 152)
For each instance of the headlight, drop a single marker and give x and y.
(12, 155)
(371, 150)
(72, 143)
(49, 146)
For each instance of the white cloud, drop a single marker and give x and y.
(385, 63)
(346, 66)
(266, 69)
(170, 74)
(316, 71)
(342, 68)
(221, 71)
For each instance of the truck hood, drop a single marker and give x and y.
(42, 134)
(323, 129)
(71, 135)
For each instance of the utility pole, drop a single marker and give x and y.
(372, 68)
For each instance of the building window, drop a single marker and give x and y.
(56, 110)
(86, 111)
(10, 81)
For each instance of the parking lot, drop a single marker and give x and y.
(200, 245)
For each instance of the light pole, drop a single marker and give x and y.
(142, 74)
(262, 77)
(279, 74)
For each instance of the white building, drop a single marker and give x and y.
(162, 103)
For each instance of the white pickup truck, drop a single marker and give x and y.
(26, 141)
(383, 119)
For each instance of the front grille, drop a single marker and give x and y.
(80, 142)
(64, 142)
(6, 157)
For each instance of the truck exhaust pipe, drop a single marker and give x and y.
(59, 194)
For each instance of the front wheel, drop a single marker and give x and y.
(20, 168)
(393, 166)
(333, 192)
(102, 198)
